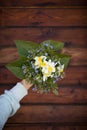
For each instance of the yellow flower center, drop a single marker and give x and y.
(39, 59)
(61, 70)
(41, 62)
(50, 69)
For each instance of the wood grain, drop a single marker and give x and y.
(67, 95)
(39, 17)
(73, 76)
(78, 55)
(37, 21)
(72, 37)
(44, 127)
(50, 113)
(40, 3)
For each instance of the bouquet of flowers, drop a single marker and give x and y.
(42, 64)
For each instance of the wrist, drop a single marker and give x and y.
(26, 84)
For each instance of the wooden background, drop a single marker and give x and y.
(64, 20)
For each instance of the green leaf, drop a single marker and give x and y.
(24, 46)
(64, 59)
(15, 67)
(57, 45)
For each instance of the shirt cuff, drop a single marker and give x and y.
(19, 91)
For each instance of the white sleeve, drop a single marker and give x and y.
(9, 102)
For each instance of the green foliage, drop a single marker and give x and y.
(64, 59)
(24, 46)
(23, 68)
(15, 67)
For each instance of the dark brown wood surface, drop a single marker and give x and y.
(50, 113)
(37, 21)
(43, 17)
(42, 3)
(44, 127)
(71, 36)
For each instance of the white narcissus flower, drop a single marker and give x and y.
(60, 69)
(39, 61)
(48, 70)
(51, 66)
(47, 67)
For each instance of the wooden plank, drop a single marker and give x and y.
(73, 75)
(40, 3)
(78, 55)
(67, 95)
(44, 127)
(8, 55)
(72, 37)
(50, 113)
(43, 17)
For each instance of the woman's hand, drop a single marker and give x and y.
(26, 84)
